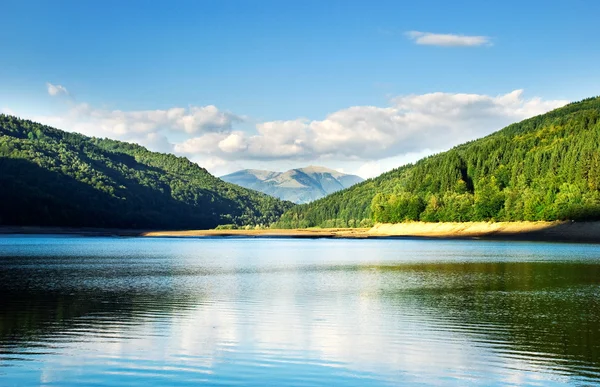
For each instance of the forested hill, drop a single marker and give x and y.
(543, 168)
(49, 177)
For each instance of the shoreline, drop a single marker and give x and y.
(557, 231)
(566, 231)
(267, 233)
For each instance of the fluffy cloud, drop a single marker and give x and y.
(152, 128)
(233, 143)
(447, 40)
(369, 169)
(55, 90)
(368, 139)
(374, 168)
(410, 124)
(193, 120)
(206, 118)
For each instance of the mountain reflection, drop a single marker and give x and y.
(381, 321)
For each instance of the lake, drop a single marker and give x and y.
(297, 312)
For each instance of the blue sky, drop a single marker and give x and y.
(279, 84)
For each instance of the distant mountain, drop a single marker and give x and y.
(49, 177)
(300, 185)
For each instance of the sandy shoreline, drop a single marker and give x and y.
(567, 231)
(535, 231)
(588, 232)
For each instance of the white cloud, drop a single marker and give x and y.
(157, 142)
(369, 169)
(447, 40)
(55, 90)
(233, 143)
(366, 139)
(206, 118)
(216, 163)
(377, 167)
(192, 120)
(410, 124)
(207, 144)
(152, 128)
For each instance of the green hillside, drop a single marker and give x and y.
(543, 168)
(49, 177)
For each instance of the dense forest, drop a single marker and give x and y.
(49, 177)
(543, 168)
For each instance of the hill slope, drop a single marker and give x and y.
(49, 177)
(300, 185)
(543, 168)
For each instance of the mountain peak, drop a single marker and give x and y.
(299, 185)
(318, 169)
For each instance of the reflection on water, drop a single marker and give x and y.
(297, 312)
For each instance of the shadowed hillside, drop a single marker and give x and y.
(54, 178)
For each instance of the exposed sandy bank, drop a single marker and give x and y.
(548, 231)
(542, 231)
(534, 231)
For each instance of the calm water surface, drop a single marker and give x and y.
(235, 311)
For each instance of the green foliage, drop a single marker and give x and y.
(543, 168)
(49, 177)
(226, 227)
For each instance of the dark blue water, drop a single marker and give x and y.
(296, 312)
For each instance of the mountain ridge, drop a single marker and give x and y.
(299, 185)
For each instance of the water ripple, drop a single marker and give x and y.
(107, 311)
